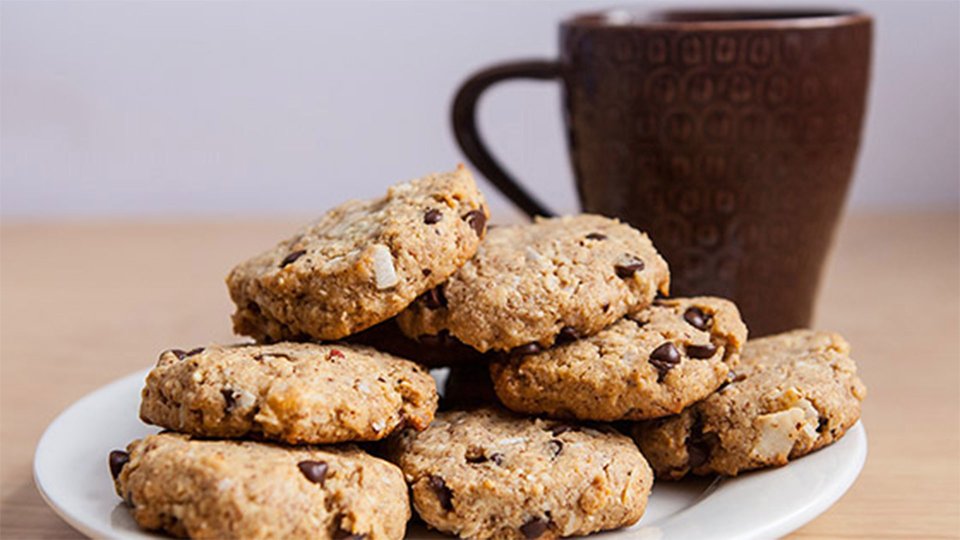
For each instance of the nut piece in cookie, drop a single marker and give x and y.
(792, 394)
(532, 285)
(290, 392)
(243, 489)
(648, 364)
(488, 473)
(362, 262)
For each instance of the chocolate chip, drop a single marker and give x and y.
(434, 298)
(559, 429)
(426, 272)
(596, 236)
(444, 495)
(523, 350)
(822, 424)
(181, 354)
(629, 267)
(701, 352)
(118, 458)
(697, 318)
(476, 456)
(477, 220)
(568, 334)
(229, 399)
(555, 447)
(292, 257)
(432, 216)
(534, 528)
(315, 471)
(699, 445)
(665, 357)
(697, 454)
(731, 378)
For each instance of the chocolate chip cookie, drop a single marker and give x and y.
(362, 262)
(649, 364)
(489, 474)
(290, 392)
(241, 489)
(528, 284)
(792, 393)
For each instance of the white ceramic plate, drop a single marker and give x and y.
(70, 468)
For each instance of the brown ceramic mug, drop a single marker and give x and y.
(729, 136)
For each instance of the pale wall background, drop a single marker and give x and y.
(177, 108)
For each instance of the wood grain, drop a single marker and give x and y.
(84, 303)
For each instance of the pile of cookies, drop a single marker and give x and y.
(573, 381)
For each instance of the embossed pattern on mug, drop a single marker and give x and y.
(721, 143)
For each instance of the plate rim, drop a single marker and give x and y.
(717, 494)
(795, 518)
(43, 443)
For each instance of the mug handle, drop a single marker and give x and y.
(468, 137)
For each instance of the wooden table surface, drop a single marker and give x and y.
(84, 303)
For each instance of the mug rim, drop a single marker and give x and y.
(707, 18)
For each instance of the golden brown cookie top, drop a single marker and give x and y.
(291, 392)
(244, 489)
(527, 284)
(792, 393)
(649, 364)
(488, 473)
(362, 262)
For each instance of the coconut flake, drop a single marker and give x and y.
(512, 440)
(778, 431)
(383, 270)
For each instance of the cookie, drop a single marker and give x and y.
(433, 351)
(529, 284)
(290, 392)
(490, 474)
(649, 364)
(242, 489)
(361, 263)
(792, 393)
